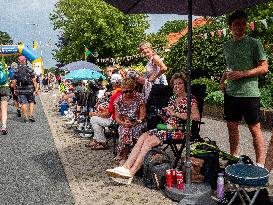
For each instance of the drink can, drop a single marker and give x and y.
(169, 178)
(180, 181)
(173, 172)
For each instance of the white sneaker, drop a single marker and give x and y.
(119, 172)
(122, 181)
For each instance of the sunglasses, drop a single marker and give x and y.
(128, 91)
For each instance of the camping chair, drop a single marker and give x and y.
(199, 91)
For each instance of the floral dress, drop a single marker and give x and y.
(180, 107)
(127, 135)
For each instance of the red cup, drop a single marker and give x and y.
(180, 181)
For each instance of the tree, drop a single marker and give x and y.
(98, 26)
(5, 39)
(173, 26)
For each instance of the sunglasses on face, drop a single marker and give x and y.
(128, 91)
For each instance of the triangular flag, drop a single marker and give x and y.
(206, 35)
(219, 33)
(224, 32)
(35, 45)
(86, 52)
(252, 26)
(212, 33)
(264, 22)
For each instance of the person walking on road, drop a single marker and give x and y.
(246, 60)
(26, 88)
(4, 98)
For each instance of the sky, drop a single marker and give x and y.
(28, 20)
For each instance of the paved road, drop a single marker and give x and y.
(30, 168)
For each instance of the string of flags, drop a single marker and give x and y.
(125, 58)
(119, 59)
(223, 32)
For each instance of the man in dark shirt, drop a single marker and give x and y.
(26, 88)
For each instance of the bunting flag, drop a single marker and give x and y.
(264, 22)
(212, 33)
(35, 45)
(86, 53)
(219, 33)
(224, 32)
(252, 26)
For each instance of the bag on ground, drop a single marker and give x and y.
(156, 162)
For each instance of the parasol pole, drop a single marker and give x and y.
(189, 65)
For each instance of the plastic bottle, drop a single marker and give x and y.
(220, 186)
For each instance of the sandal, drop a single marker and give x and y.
(117, 159)
(91, 144)
(100, 146)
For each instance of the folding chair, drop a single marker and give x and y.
(199, 91)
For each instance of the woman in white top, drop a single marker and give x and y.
(155, 69)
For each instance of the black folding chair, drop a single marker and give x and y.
(176, 145)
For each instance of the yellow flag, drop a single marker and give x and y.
(35, 45)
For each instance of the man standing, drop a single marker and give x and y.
(246, 60)
(26, 87)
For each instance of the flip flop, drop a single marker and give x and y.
(99, 146)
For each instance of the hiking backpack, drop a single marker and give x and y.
(24, 77)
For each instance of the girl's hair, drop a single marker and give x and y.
(145, 43)
(181, 76)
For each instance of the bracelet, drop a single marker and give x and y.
(139, 121)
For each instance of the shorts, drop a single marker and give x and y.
(237, 107)
(25, 99)
(4, 93)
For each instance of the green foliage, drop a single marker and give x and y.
(267, 94)
(5, 39)
(98, 26)
(139, 67)
(173, 26)
(211, 85)
(215, 98)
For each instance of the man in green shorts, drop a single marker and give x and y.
(246, 60)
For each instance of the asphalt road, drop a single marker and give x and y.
(30, 168)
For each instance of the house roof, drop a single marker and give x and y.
(174, 37)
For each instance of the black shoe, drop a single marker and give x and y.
(4, 131)
(19, 113)
(31, 118)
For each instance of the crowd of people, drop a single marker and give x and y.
(123, 100)
(131, 89)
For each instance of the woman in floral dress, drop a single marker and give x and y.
(176, 110)
(130, 113)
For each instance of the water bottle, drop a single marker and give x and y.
(220, 186)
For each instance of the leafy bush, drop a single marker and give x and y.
(267, 96)
(215, 98)
(211, 85)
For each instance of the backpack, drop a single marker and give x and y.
(24, 77)
(156, 162)
(3, 75)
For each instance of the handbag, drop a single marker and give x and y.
(156, 162)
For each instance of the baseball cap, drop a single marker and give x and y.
(21, 58)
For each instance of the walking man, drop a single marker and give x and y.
(246, 60)
(26, 87)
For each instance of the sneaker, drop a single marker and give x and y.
(119, 172)
(4, 131)
(122, 181)
(19, 113)
(31, 118)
